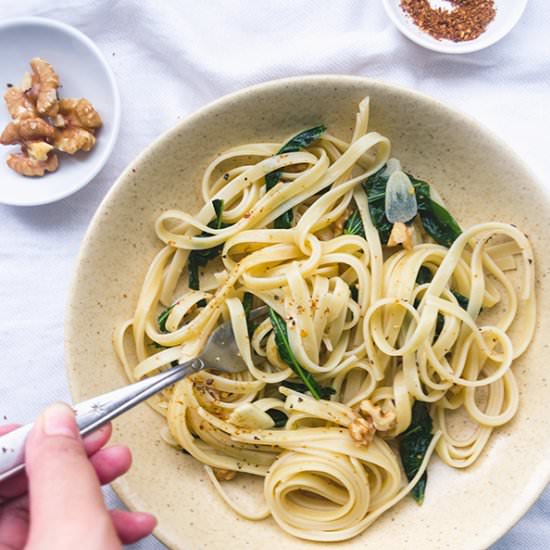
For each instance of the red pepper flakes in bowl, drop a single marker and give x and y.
(466, 21)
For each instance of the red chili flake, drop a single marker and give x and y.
(466, 21)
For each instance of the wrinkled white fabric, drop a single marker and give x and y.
(172, 56)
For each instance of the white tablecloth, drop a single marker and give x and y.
(170, 57)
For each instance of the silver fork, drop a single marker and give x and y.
(221, 353)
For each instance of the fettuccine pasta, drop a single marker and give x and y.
(387, 321)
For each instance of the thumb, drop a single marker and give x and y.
(65, 496)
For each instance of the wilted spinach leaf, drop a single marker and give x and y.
(287, 355)
(413, 444)
(436, 220)
(163, 317)
(375, 186)
(298, 142)
(278, 417)
(354, 225)
(200, 257)
(324, 391)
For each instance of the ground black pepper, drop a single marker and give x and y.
(465, 21)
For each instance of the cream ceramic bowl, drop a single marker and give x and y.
(480, 178)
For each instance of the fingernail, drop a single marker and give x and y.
(98, 435)
(58, 419)
(145, 519)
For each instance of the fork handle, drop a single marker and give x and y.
(93, 413)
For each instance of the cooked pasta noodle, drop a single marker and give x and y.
(374, 328)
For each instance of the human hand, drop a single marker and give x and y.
(58, 504)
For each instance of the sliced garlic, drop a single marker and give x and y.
(400, 203)
(251, 416)
(393, 165)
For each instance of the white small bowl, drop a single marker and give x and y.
(508, 13)
(83, 72)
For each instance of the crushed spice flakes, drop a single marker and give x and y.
(466, 20)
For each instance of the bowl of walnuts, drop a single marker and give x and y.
(60, 114)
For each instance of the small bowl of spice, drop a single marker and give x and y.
(455, 26)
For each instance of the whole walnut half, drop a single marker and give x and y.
(18, 104)
(28, 129)
(70, 140)
(45, 83)
(77, 112)
(28, 166)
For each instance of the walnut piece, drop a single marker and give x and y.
(28, 129)
(71, 140)
(88, 116)
(35, 128)
(362, 430)
(77, 112)
(27, 166)
(224, 475)
(26, 82)
(77, 120)
(383, 418)
(10, 135)
(18, 104)
(38, 150)
(44, 86)
(401, 234)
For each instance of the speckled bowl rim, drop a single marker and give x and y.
(531, 491)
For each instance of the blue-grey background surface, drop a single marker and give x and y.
(171, 57)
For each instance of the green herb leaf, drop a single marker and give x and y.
(287, 355)
(248, 299)
(461, 299)
(439, 324)
(375, 187)
(436, 220)
(272, 179)
(247, 304)
(163, 317)
(193, 271)
(218, 208)
(413, 444)
(284, 221)
(298, 142)
(324, 391)
(424, 275)
(200, 257)
(354, 225)
(303, 139)
(354, 292)
(156, 345)
(278, 417)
